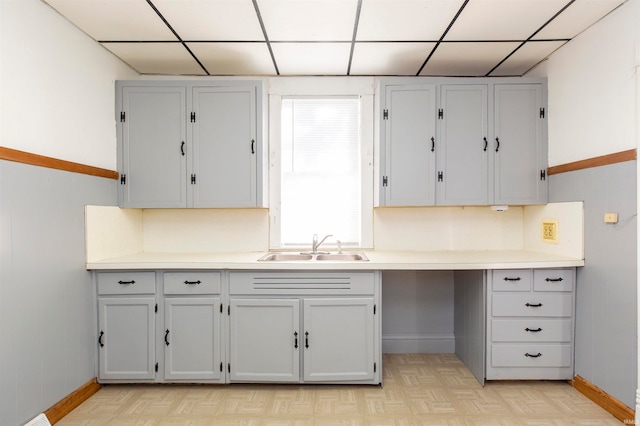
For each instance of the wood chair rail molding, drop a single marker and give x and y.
(54, 163)
(602, 160)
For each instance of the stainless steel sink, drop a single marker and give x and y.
(313, 257)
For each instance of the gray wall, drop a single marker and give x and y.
(606, 286)
(47, 304)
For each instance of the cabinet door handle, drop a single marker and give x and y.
(486, 144)
(253, 146)
(306, 339)
(166, 337)
(533, 305)
(182, 148)
(433, 144)
(512, 279)
(497, 144)
(100, 342)
(538, 355)
(192, 282)
(295, 340)
(126, 282)
(553, 280)
(533, 330)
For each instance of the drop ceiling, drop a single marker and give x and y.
(333, 37)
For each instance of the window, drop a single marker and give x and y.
(321, 183)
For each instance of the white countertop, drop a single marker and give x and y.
(378, 260)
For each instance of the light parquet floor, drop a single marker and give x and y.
(419, 389)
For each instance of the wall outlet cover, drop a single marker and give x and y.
(550, 231)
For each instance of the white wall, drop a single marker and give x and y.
(57, 87)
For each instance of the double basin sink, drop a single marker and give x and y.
(313, 257)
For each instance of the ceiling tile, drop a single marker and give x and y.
(467, 59)
(234, 58)
(503, 19)
(156, 58)
(308, 20)
(132, 20)
(405, 20)
(209, 20)
(312, 58)
(576, 18)
(389, 58)
(526, 58)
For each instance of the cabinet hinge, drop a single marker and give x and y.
(229, 310)
(385, 181)
(440, 176)
(193, 117)
(541, 112)
(543, 175)
(123, 116)
(440, 114)
(193, 179)
(156, 367)
(374, 309)
(156, 308)
(123, 179)
(229, 368)
(375, 367)
(385, 114)
(221, 367)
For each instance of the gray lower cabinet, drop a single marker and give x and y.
(126, 326)
(322, 327)
(530, 324)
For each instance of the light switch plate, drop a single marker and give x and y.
(550, 231)
(611, 218)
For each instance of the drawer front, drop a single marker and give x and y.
(301, 283)
(126, 282)
(512, 280)
(531, 355)
(531, 330)
(553, 280)
(532, 305)
(192, 282)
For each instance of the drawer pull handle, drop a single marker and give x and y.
(295, 337)
(306, 339)
(126, 282)
(512, 279)
(192, 282)
(166, 337)
(553, 280)
(533, 305)
(100, 342)
(533, 330)
(538, 355)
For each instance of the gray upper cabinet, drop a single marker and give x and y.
(409, 127)
(463, 159)
(462, 142)
(520, 146)
(189, 144)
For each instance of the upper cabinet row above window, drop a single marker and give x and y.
(189, 144)
(461, 142)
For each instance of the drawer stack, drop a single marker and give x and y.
(530, 317)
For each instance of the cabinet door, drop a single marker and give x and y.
(519, 144)
(338, 339)
(192, 339)
(225, 147)
(126, 338)
(463, 146)
(153, 147)
(264, 340)
(409, 177)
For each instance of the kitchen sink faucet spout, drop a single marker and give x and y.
(315, 245)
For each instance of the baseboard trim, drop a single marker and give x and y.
(603, 160)
(616, 408)
(71, 401)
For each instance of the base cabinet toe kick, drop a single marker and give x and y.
(315, 326)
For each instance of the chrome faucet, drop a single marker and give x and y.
(315, 245)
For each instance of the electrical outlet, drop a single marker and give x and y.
(611, 218)
(550, 231)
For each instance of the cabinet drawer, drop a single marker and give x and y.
(538, 355)
(531, 330)
(512, 280)
(192, 282)
(553, 280)
(302, 283)
(532, 305)
(126, 282)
